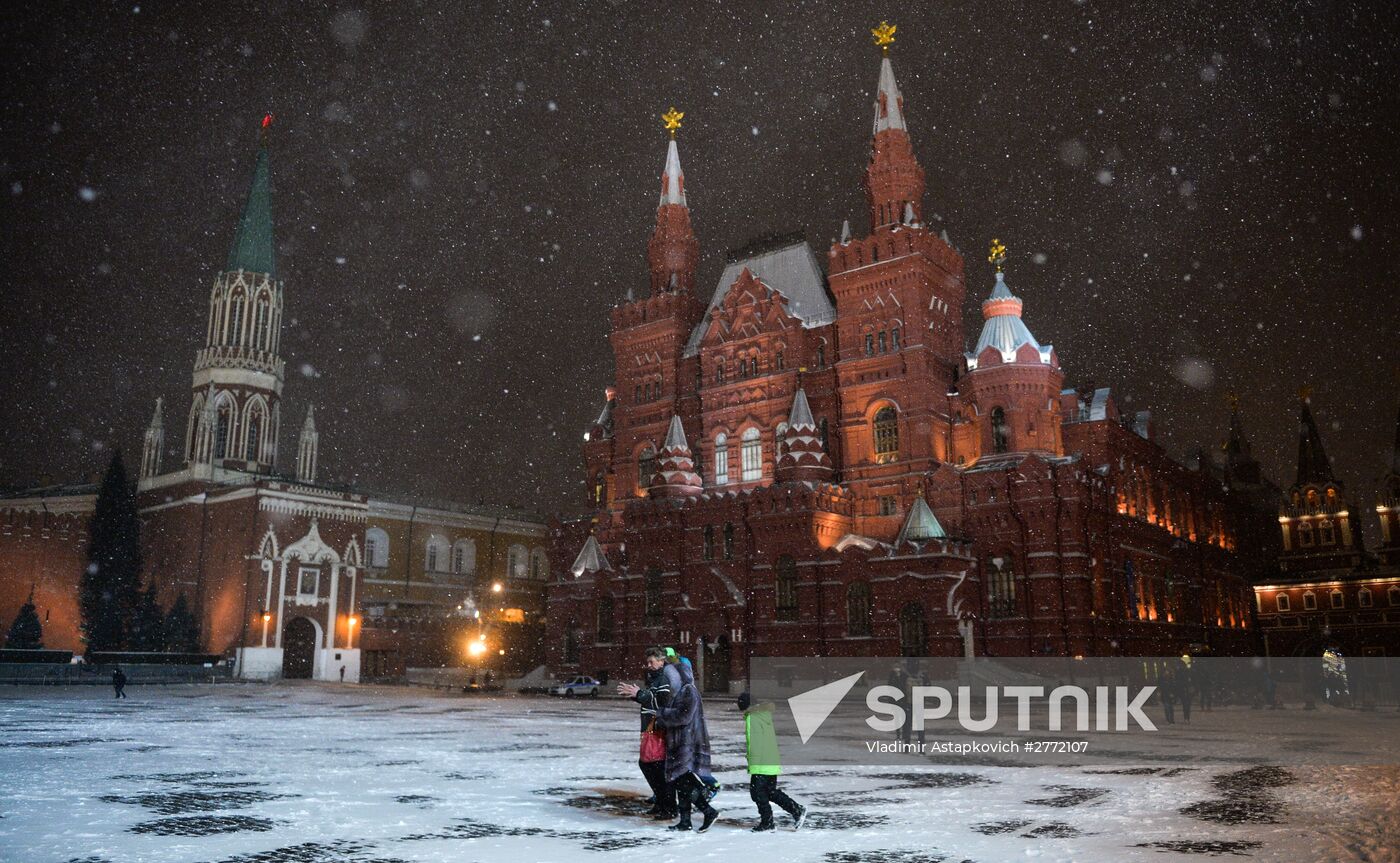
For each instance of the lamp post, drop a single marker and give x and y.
(350, 632)
(266, 618)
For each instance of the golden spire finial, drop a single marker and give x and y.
(1305, 392)
(997, 254)
(672, 119)
(1233, 400)
(884, 36)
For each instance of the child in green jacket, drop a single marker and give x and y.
(761, 746)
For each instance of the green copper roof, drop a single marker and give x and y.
(921, 525)
(252, 241)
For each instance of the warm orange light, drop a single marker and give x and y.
(266, 617)
(476, 648)
(354, 620)
(496, 587)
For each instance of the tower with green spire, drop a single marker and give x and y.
(235, 414)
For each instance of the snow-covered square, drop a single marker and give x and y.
(316, 773)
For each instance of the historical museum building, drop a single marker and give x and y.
(287, 575)
(809, 461)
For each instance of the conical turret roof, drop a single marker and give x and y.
(252, 248)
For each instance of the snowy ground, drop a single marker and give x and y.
(317, 773)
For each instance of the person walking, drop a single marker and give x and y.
(119, 682)
(661, 681)
(761, 750)
(687, 750)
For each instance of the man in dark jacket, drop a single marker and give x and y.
(687, 749)
(662, 680)
(119, 683)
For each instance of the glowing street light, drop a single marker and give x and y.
(496, 587)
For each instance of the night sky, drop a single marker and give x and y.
(1197, 200)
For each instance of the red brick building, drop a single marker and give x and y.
(1328, 593)
(810, 463)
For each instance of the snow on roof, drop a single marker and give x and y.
(791, 271)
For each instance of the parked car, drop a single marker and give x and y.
(577, 686)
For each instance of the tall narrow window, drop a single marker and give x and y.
(646, 466)
(858, 609)
(884, 345)
(823, 428)
(605, 620)
(221, 431)
(779, 440)
(260, 337)
(785, 598)
(886, 435)
(721, 459)
(1001, 590)
(870, 344)
(894, 339)
(751, 455)
(999, 430)
(729, 540)
(709, 548)
(719, 372)
(778, 361)
(913, 630)
(235, 335)
(821, 356)
(254, 449)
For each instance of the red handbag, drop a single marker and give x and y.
(653, 744)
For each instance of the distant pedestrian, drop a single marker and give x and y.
(761, 750)
(119, 683)
(342, 674)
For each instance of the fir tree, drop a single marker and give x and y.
(148, 625)
(181, 628)
(109, 591)
(26, 633)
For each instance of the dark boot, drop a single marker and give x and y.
(764, 827)
(799, 817)
(682, 825)
(711, 814)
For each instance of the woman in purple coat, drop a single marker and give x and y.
(687, 750)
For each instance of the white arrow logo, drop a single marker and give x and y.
(811, 708)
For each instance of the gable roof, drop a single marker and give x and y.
(792, 271)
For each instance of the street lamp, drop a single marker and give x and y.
(350, 632)
(496, 587)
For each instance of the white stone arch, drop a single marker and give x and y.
(192, 430)
(255, 407)
(351, 556)
(377, 548)
(267, 549)
(311, 548)
(224, 401)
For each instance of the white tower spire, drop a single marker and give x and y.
(153, 445)
(306, 447)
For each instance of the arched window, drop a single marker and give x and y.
(779, 439)
(1001, 589)
(605, 620)
(709, 549)
(571, 643)
(778, 361)
(825, 448)
(1326, 534)
(1309, 601)
(464, 557)
(1338, 599)
(222, 426)
(253, 450)
(729, 540)
(435, 555)
(894, 339)
(1393, 596)
(646, 466)
(377, 548)
(884, 345)
(751, 455)
(1305, 534)
(261, 339)
(858, 609)
(1363, 597)
(719, 372)
(599, 489)
(870, 344)
(235, 334)
(1281, 602)
(539, 564)
(886, 435)
(721, 459)
(999, 430)
(913, 633)
(821, 356)
(517, 562)
(653, 596)
(785, 597)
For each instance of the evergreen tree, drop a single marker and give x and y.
(148, 626)
(26, 633)
(109, 591)
(181, 628)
